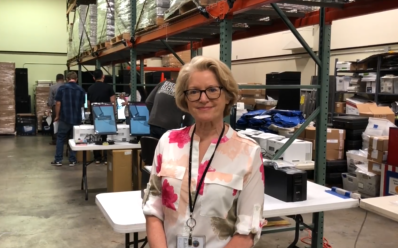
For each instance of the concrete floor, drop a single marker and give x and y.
(41, 206)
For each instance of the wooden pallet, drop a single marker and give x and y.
(102, 46)
(120, 38)
(8, 134)
(86, 53)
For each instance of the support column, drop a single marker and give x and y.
(114, 77)
(79, 75)
(226, 41)
(133, 54)
(194, 52)
(321, 123)
(97, 65)
(142, 72)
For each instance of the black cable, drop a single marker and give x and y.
(360, 230)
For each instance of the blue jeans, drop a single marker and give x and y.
(63, 130)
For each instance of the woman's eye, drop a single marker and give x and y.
(192, 92)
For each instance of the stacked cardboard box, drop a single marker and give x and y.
(377, 153)
(358, 106)
(91, 27)
(78, 31)
(171, 61)
(119, 176)
(249, 96)
(7, 98)
(334, 142)
(105, 20)
(42, 92)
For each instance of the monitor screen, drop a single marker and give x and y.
(85, 101)
(104, 119)
(121, 108)
(139, 115)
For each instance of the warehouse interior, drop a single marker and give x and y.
(42, 205)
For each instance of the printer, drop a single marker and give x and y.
(299, 151)
(81, 132)
(123, 133)
(287, 184)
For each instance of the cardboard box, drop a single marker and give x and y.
(79, 156)
(343, 66)
(342, 83)
(387, 83)
(248, 100)
(137, 173)
(335, 137)
(389, 180)
(368, 185)
(334, 154)
(370, 87)
(377, 156)
(339, 107)
(374, 167)
(301, 135)
(352, 105)
(119, 171)
(350, 182)
(358, 66)
(372, 110)
(378, 143)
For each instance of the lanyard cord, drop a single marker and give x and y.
(192, 206)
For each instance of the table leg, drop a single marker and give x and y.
(84, 179)
(136, 241)
(298, 219)
(127, 241)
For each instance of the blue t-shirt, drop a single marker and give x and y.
(72, 98)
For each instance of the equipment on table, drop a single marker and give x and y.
(286, 184)
(104, 119)
(350, 122)
(139, 116)
(123, 133)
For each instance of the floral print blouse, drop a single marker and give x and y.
(230, 200)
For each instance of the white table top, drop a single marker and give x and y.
(124, 210)
(386, 206)
(93, 147)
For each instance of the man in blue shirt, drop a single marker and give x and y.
(68, 112)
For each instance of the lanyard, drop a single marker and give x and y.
(192, 206)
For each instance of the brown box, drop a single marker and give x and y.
(334, 154)
(119, 171)
(310, 133)
(339, 107)
(79, 156)
(335, 137)
(302, 134)
(374, 167)
(137, 173)
(248, 100)
(378, 143)
(358, 66)
(372, 110)
(377, 156)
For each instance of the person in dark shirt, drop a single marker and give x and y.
(69, 99)
(164, 114)
(100, 92)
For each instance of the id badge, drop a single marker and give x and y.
(197, 242)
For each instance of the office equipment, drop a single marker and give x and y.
(139, 116)
(286, 184)
(21, 82)
(104, 119)
(288, 99)
(123, 133)
(82, 131)
(298, 151)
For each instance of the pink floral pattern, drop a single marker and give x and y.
(168, 195)
(159, 163)
(262, 168)
(181, 137)
(223, 140)
(201, 170)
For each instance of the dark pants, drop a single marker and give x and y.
(65, 131)
(53, 136)
(156, 131)
(98, 154)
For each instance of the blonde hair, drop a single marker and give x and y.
(221, 71)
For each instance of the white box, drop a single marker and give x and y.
(343, 66)
(80, 132)
(298, 151)
(123, 133)
(262, 139)
(350, 182)
(370, 87)
(354, 158)
(368, 184)
(342, 83)
(387, 84)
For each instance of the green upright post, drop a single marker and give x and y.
(114, 77)
(133, 54)
(200, 52)
(142, 72)
(226, 46)
(322, 121)
(97, 65)
(194, 52)
(226, 41)
(79, 75)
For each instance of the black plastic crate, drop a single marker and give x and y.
(26, 129)
(350, 122)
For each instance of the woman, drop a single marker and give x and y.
(222, 204)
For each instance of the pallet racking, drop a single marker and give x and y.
(216, 24)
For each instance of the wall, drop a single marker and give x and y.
(253, 58)
(34, 31)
